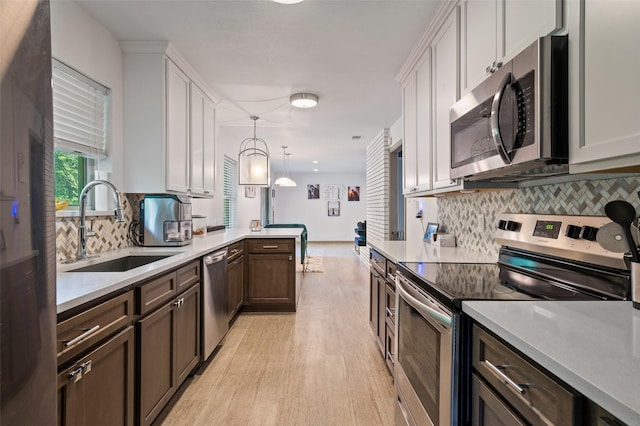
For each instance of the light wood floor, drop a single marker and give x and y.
(319, 366)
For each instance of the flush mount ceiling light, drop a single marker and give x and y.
(253, 160)
(304, 100)
(284, 180)
(288, 1)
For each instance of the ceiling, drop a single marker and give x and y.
(255, 53)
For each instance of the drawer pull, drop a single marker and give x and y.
(390, 313)
(520, 388)
(270, 247)
(86, 367)
(82, 336)
(390, 357)
(75, 375)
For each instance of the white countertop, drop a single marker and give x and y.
(75, 288)
(404, 251)
(592, 346)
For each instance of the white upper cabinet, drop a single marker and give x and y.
(445, 53)
(494, 31)
(169, 126)
(177, 124)
(604, 93)
(416, 150)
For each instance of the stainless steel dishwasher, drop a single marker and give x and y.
(215, 311)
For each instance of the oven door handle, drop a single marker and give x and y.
(423, 308)
(495, 119)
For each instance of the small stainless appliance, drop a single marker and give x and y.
(513, 126)
(165, 220)
(543, 257)
(215, 309)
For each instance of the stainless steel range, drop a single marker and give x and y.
(543, 257)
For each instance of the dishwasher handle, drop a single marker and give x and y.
(216, 257)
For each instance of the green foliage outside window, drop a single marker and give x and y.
(70, 172)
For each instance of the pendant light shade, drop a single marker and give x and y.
(285, 180)
(253, 161)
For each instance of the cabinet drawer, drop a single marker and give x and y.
(81, 332)
(540, 400)
(391, 273)
(188, 275)
(156, 292)
(235, 250)
(271, 246)
(378, 261)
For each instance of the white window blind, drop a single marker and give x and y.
(80, 112)
(230, 198)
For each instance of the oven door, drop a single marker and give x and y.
(423, 372)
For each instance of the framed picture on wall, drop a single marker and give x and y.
(333, 208)
(313, 191)
(250, 192)
(353, 194)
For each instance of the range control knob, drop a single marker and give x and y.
(589, 233)
(573, 231)
(509, 225)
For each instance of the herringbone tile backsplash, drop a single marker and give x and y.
(109, 234)
(458, 214)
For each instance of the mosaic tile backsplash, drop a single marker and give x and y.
(459, 214)
(109, 234)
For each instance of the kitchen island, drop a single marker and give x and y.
(76, 288)
(593, 346)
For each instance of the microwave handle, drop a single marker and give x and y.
(495, 122)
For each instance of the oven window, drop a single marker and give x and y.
(419, 355)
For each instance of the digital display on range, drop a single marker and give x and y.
(547, 229)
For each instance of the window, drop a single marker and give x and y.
(230, 198)
(80, 129)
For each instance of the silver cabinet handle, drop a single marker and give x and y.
(390, 313)
(520, 388)
(75, 375)
(390, 356)
(86, 367)
(270, 247)
(290, 258)
(82, 336)
(234, 251)
(178, 303)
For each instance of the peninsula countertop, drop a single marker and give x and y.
(594, 346)
(76, 288)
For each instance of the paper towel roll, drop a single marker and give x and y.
(103, 198)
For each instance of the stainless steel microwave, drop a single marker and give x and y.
(513, 126)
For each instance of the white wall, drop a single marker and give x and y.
(291, 205)
(414, 228)
(84, 44)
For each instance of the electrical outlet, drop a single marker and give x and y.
(480, 222)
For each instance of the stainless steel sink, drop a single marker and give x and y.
(121, 264)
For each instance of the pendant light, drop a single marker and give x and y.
(285, 180)
(253, 160)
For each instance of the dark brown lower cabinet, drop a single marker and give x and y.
(98, 389)
(271, 283)
(377, 308)
(168, 349)
(488, 409)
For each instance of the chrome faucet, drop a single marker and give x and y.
(82, 233)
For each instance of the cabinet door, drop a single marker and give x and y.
(209, 149)
(373, 301)
(271, 279)
(98, 388)
(156, 352)
(445, 93)
(382, 315)
(479, 41)
(525, 21)
(489, 409)
(196, 135)
(608, 126)
(235, 280)
(187, 333)
(409, 142)
(423, 117)
(177, 129)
